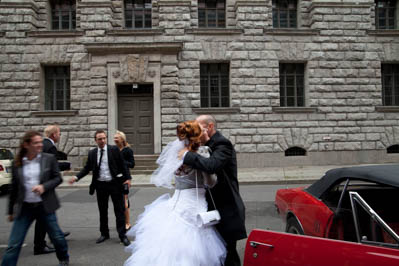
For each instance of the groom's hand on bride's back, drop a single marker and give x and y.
(182, 152)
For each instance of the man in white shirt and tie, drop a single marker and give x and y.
(109, 176)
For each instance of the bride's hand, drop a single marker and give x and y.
(204, 137)
(182, 152)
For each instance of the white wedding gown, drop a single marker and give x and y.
(166, 233)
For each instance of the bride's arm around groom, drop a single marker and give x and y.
(223, 163)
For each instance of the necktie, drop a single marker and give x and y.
(101, 158)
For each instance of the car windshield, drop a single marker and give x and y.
(6, 154)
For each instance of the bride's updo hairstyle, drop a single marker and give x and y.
(191, 131)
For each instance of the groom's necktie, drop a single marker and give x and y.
(101, 158)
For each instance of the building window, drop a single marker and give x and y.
(292, 85)
(393, 149)
(212, 13)
(57, 88)
(295, 151)
(214, 85)
(63, 14)
(390, 84)
(284, 13)
(138, 14)
(385, 14)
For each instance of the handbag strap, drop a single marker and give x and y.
(196, 186)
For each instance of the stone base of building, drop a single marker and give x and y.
(258, 160)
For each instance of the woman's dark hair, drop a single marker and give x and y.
(191, 131)
(26, 139)
(100, 131)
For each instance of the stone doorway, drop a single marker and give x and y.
(136, 116)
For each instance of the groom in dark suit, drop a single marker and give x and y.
(223, 163)
(109, 174)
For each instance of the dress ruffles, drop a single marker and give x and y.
(166, 233)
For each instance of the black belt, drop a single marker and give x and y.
(105, 181)
(33, 204)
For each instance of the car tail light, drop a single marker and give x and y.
(1, 168)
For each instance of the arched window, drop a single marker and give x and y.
(393, 149)
(295, 151)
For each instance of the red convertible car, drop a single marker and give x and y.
(349, 217)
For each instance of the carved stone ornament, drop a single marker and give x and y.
(134, 68)
(116, 74)
(151, 73)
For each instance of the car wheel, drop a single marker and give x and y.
(293, 227)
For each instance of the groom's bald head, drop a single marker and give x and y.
(208, 123)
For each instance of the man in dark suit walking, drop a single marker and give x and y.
(223, 163)
(35, 175)
(109, 175)
(52, 135)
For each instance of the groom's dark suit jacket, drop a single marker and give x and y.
(226, 194)
(117, 167)
(50, 178)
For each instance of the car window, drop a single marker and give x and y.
(378, 224)
(6, 154)
(381, 198)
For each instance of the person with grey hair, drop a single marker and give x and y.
(52, 135)
(223, 163)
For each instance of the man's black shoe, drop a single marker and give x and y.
(45, 250)
(66, 234)
(101, 239)
(64, 263)
(125, 241)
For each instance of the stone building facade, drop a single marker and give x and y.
(343, 119)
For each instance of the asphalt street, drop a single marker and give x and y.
(79, 215)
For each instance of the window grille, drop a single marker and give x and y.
(212, 13)
(385, 14)
(214, 84)
(393, 149)
(138, 14)
(57, 88)
(390, 84)
(292, 85)
(284, 13)
(295, 151)
(63, 14)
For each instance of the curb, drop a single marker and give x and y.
(262, 182)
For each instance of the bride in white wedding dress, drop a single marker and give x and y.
(167, 232)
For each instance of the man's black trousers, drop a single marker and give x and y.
(114, 190)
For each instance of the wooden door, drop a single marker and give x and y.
(136, 117)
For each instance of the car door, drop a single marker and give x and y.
(278, 249)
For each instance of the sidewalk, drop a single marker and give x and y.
(268, 175)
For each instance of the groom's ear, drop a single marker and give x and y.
(211, 126)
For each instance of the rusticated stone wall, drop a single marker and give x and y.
(343, 120)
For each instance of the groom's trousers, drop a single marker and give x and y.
(232, 258)
(104, 191)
